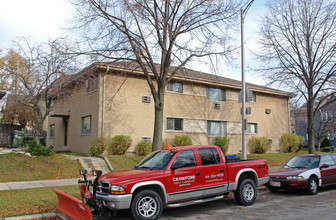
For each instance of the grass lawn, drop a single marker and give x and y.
(275, 159)
(31, 201)
(124, 162)
(18, 167)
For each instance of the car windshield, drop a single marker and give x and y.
(157, 160)
(303, 162)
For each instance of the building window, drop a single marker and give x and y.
(252, 128)
(91, 84)
(52, 131)
(254, 98)
(175, 87)
(86, 124)
(216, 128)
(174, 124)
(215, 94)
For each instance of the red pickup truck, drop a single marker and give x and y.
(177, 177)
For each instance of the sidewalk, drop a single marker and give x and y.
(37, 184)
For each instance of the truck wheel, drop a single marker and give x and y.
(246, 192)
(312, 186)
(146, 205)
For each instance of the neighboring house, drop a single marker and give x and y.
(108, 99)
(2, 102)
(324, 121)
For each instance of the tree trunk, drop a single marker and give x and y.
(319, 145)
(158, 121)
(310, 127)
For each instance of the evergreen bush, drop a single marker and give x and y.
(37, 149)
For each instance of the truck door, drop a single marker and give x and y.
(183, 179)
(214, 173)
(328, 174)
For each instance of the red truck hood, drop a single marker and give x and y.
(284, 172)
(129, 176)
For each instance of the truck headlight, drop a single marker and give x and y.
(295, 177)
(117, 190)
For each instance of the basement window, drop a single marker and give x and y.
(86, 124)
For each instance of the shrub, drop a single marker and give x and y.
(222, 142)
(328, 149)
(98, 145)
(291, 142)
(37, 149)
(143, 148)
(259, 145)
(325, 143)
(181, 140)
(119, 144)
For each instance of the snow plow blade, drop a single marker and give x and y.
(72, 207)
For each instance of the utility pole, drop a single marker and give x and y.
(244, 121)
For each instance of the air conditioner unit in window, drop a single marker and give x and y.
(146, 99)
(147, 139)
(216, 106)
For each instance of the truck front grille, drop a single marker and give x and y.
(103, 187)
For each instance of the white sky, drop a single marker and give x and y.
(43, 19)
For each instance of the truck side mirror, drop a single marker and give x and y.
(178, 164)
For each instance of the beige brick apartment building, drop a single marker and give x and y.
(109, 99)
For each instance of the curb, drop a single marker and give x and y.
(107, 163)
(44, 216)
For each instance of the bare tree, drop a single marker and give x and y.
(298, 47)
(166, 32)
(42, 64)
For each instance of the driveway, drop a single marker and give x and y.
(283, 205)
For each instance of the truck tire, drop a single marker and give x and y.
(146, 205)
(312, 185)
(246, 192)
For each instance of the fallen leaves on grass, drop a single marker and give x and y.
(14, 211)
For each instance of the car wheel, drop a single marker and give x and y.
(312, 185)
(246, 192)
(146, 205)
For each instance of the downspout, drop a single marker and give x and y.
(289, 117)
(103, 102)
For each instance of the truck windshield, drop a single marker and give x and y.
(157, 160)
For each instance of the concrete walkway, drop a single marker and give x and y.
(37, 184)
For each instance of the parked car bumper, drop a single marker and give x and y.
(115, 202)
(287, 184)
